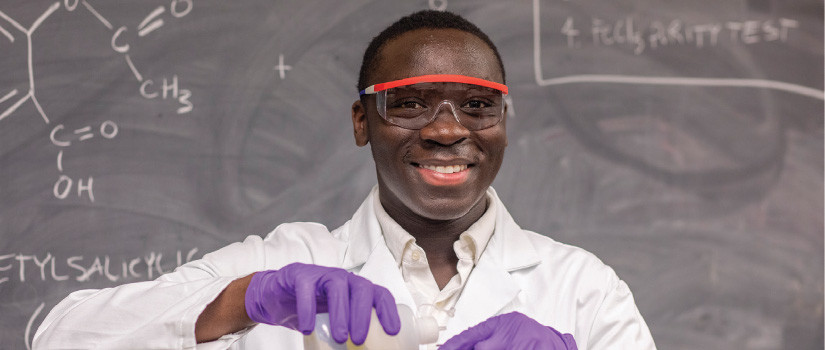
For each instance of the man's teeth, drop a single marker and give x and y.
(448, 169)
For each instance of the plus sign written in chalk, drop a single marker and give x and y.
(281, 67)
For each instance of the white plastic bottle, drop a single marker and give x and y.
(414, 331)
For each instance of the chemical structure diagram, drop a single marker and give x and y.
(167, 89)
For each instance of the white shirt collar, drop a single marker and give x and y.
(476, 237)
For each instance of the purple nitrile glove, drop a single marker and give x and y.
(513, 331)
(291, 297)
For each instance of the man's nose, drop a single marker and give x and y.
(445, 129)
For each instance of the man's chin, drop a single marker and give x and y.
(445, 209)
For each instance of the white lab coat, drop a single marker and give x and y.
(558, 285)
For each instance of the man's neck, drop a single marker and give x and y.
(436, 237)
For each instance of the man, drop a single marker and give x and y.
(432, 235)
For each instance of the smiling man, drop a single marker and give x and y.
(432, 235)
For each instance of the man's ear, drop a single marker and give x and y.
(359, 124)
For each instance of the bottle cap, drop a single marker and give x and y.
(427, 329)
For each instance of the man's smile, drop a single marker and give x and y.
(449, 169)
(444, 173)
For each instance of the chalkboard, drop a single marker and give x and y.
(680, 141)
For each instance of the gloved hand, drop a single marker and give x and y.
(512, 331)
(291, 297)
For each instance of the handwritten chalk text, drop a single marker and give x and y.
(657, 33)
(48, 267)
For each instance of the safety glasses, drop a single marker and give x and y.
(412, 103)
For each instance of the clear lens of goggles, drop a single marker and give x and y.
(414, 106)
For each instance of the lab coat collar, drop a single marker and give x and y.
(367, 249)
(509, 245)
(490, 286)
(362, 234)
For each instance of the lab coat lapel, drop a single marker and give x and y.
(368, 250)
(491, 287)
(382, 270)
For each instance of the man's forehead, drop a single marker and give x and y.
(435, 51)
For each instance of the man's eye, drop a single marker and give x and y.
(477, 104)
(410, 105)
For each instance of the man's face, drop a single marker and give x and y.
(402, 156)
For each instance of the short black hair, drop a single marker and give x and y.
(426, 19)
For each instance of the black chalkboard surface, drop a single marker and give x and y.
(680, 141)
